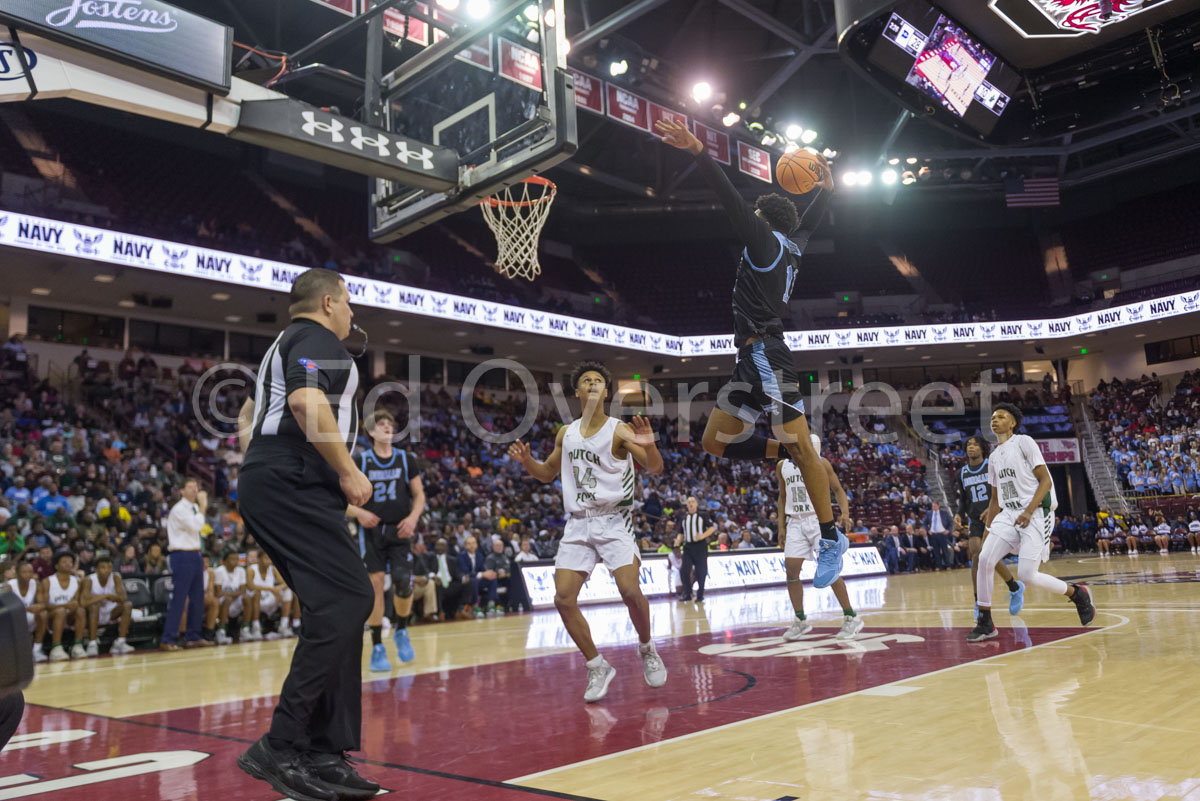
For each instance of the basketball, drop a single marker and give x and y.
(798, 172)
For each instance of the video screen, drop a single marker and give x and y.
(926, 49)
(952, 67)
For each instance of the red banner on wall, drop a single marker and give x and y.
(658, 112)
(754, 162)
(520, 64)
(347, 7)
(624, 106)
(715, 142)
(417, 30)
(589, 92)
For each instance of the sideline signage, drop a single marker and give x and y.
(149, 34)
(114, 247)
(727, 570)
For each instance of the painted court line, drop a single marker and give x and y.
(803, 707)
(890, 690)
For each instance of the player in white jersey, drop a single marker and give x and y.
(271, 595)
(59, 594)
(595, 455)
(1021, 519)
(26, 588)
(230, 579)
(103, 597)
(800, 535)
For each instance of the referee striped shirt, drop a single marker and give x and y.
(306, 354)
(693, 527)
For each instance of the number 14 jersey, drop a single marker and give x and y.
(593, 479)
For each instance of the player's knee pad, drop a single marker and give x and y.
(402, 584)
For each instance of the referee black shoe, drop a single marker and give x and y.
(984, 630)
(335, 772)
(287, 771)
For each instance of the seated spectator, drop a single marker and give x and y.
(450, 586)
(128, 563)
(424, 571)
(267, 596)
(497, 570)
(1162, 535)
(155, 563)
(43, 565)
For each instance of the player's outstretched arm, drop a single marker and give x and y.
(546, 471)
(752, 230)
(637, 439)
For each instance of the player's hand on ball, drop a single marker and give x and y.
(357, 488)
(519, 451)
(677, 135)
(405, 528)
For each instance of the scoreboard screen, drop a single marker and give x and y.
(931, 52)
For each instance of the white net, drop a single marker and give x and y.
(516, 216)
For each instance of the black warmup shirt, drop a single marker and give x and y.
(306, 354)
(391, 499)
(974, 492)
(770, 261)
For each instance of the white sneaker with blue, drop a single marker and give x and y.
(379, 660)
(829, 560)
(1016, 600)
(404, 648)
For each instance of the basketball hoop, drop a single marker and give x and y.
(516, 215)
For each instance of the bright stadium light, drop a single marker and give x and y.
(731, 119)
(850, 178)
(809, 136)
(911, 160)
(449, 5)
(478, 9)
(894, 160)
(792, 147)
(864, 177)
(908, 178)
(702, 91)
(793, 131)
(566, 46)
(769, 139)
(550, 18)
(618, 68)
(531, 12)
(888, 176)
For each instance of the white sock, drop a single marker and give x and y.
(645, 647)
(595, 663)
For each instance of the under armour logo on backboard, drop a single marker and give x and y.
(424, 155)
(380, 143)
(333, 127)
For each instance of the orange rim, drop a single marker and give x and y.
(536, 180)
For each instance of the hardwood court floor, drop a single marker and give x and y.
(492, 710)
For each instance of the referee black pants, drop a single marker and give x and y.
(300, 522)
(695, 558)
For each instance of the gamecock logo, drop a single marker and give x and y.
(1058, 19)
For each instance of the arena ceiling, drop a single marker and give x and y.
(780, 58)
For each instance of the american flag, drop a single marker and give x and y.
(1024, 192)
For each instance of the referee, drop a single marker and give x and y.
(694, 538)
(296, 484)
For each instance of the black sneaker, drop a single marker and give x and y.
(287, 771)
(335, 771)
(1083, 604)
(982, 631)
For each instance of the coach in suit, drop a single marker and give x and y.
(940, 524)
(296, 483)
(471, 562)
(901, 545)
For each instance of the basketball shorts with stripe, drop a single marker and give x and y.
(1030, 542)
(765, 379)
(588, 540)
